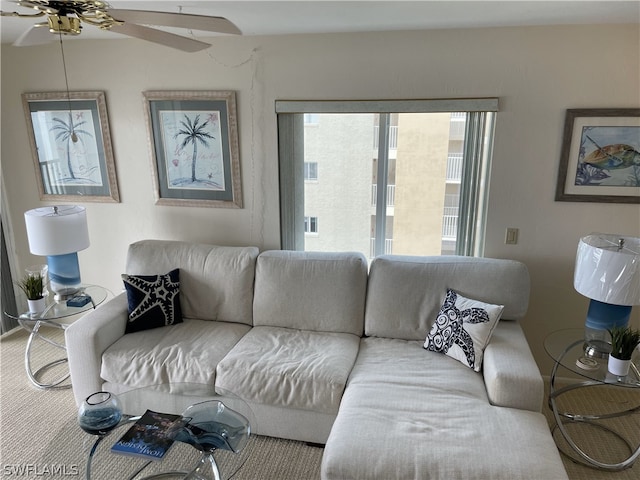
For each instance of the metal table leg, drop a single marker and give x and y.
(34, 335)
(564, 418)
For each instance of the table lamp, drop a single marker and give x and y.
(59, 233)
(608, 272)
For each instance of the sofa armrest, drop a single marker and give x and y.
(87, 338)
(511, 375)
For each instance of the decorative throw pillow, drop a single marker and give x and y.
(154, 300)
(463, 328)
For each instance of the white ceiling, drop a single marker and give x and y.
(294, 17)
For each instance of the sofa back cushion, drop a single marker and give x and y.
(216, 283)
(405, 293)
(318, 291)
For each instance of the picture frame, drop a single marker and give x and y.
(71, 146)
(193, 139)
(600, 156)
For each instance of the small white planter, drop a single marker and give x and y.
(618, 367)
(37, 306)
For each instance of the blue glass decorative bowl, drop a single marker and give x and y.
(99, 413)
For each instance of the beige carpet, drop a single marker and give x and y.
(596, 441)
(39, 438)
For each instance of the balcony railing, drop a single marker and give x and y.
(454, 167)
(449, 227)
(457, 126)
(388, 247)
(393, 137)
(451, 212)
(391, 195)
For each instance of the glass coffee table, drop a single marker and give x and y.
(567, 349)
(191, 455)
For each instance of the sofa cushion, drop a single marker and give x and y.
(404, 293)
(289, 368)
(463, 329)
(216, 283)
(323, 292)
(408, 413)
(153, 300)
(186, 352)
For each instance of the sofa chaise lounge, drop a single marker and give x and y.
(327, 350)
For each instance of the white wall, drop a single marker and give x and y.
(536, 72)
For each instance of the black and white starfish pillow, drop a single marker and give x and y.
(463, 329)
(154, 300)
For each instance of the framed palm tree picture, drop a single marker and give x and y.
(71, 145)
(193, 139)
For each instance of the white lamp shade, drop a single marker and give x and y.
(57, 230)
(607, 273)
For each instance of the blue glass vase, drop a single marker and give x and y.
(99, 413)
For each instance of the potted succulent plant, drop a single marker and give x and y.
(33, 286)
(624, 341)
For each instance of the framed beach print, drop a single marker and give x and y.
(71, 146)
(600, 158)
(193, 137)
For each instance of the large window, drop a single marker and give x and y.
(397, 177)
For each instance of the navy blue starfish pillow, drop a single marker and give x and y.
(154, 300)
(463, 329)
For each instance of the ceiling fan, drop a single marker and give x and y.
(66, 17)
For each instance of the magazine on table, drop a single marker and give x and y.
(147, 437)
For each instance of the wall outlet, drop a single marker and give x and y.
(511, 236)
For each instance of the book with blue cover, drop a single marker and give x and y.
(147, 437)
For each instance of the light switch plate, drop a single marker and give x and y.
(511, 236)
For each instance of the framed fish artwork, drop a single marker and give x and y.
(600, 158)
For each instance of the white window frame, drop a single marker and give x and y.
(480, 113)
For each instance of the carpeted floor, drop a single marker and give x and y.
(39, 438)
(597, 441)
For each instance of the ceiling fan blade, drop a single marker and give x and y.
(36, 35)
(158, 36)
(180, 20)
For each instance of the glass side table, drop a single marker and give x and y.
(566, 348)
(53, 312)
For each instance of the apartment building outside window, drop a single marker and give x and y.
(310, 171)
(310, 224)
(402, 178)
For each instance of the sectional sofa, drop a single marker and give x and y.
(329, 350)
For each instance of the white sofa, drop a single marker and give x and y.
(326, 350)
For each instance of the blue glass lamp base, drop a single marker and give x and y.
(601, 317)
(64, 275)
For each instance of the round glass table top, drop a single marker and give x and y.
(567, 348)
(95, 460)
(55, 310)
